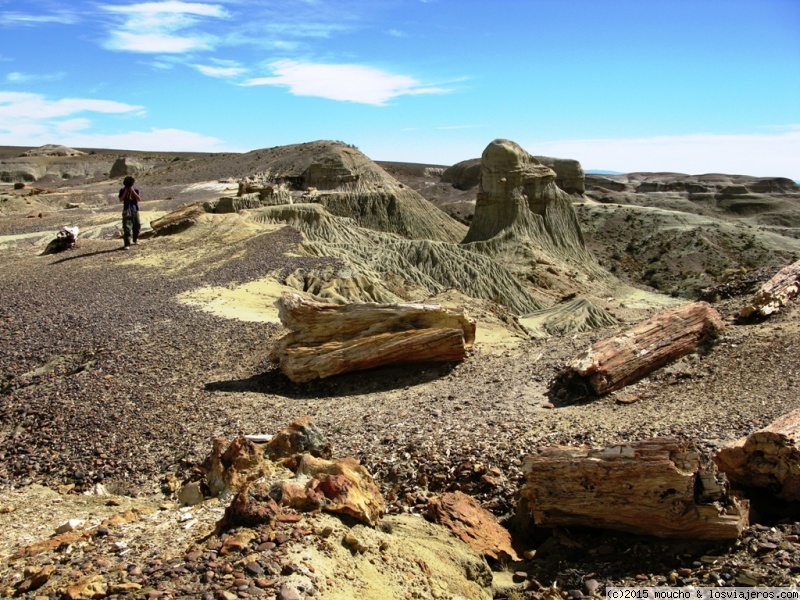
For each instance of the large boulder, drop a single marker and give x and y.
(125, 165)
(464, 175)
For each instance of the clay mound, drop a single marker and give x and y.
(339, 177)
(380, 267)
(53, 150)
(574, 316)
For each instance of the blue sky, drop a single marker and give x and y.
(693, 86)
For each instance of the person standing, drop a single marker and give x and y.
(130, 196)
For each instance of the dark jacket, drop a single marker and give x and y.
(130, 202)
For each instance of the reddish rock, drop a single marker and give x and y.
(347, 487)
(300, 437)
(299, 497)
(473, 524)
(253, 505)
(35, 577)
(230, 466)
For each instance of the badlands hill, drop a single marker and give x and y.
(120, 368)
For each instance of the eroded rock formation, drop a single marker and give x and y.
(349, 184)
(569, 173)
(53, 150)
(127, 165)
(522, 218)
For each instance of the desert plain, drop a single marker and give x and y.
(119, 369)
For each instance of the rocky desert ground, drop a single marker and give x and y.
(119, 369)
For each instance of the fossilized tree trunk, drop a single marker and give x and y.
(615, 362)
(651, 487)
(182, 217)
(775, 293)
(768, 458)
(328, 339)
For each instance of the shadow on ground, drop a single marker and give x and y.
(383, 379)
(570, 389)
(84, 255)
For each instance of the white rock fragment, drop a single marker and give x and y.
(70, 525)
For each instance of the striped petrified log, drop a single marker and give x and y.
(182, 217)
(775, 293)
(768, 458)
(329, 339)
(655, 487)
(615, 362)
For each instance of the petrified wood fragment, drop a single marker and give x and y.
(473, 524)
(768, 458)
(615, 362)
(182, 217)
(652, 487)
(775, 293)
(328, 339)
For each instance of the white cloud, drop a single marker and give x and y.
(17, 18)
(158, 43)
(157, 140)
(22, 105)
(17, 77)
(220, 70)
(156, 10)
(32, 120)
(348, 83)
(71, 126)
(758, 154)
(69, 133)
(154, 27)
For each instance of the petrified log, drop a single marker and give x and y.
(652, 487)
(775, 293)
(768, 458)
(182, 217)
(328, 339)
(615, 362)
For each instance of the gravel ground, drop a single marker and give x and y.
(106, 378)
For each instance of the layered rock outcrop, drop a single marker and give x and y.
(570, 176)
(519, 204)
(52, 162)
(126, 165)
(348, 184)
(53, 150)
